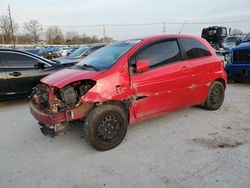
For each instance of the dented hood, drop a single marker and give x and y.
(66, 76)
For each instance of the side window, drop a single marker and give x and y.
(193, 48)
(18, 60)
(160, 53)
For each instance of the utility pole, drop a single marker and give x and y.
(104, 32)
(11, 27)
(164, 27)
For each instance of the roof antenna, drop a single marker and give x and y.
(182, 26)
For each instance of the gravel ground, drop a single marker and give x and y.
(189, 148)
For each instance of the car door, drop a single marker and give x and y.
(164, 86)
(22, 72)
(197, 55)
(4, 89)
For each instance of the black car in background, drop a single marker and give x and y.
(79, 54)
(214, 35)
(21, 71)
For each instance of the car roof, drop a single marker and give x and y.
(155, 37)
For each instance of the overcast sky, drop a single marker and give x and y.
(95, 12)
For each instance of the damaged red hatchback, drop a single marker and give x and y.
(130, 81)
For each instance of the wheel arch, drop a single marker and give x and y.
(222, 81)
(124, 104)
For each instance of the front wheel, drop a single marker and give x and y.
(215, 96)
(105, 127)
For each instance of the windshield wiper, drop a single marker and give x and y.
(85, 66)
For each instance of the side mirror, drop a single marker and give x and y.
(238, 42)
(39, 65)
(142, 65)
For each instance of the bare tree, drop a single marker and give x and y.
(33, 30)
(73, 37)
(107, 39)
(54, 35)
(5, 28)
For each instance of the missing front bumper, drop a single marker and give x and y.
(58, 122)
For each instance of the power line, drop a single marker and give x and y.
(149, 24)
(146, 24)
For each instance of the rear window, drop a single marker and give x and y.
(193, 48)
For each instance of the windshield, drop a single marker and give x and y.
(105, 57)
(230, 39)
(247, 38)
(78, 52)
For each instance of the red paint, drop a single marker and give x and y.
(61, 78)
(165, 89)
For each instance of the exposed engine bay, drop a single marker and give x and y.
(60, 106)
(54, 100)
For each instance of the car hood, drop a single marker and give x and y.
(242, 46)
(228, 44)
(67, 60)
(66, 76)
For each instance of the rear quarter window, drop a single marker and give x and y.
(193, 48)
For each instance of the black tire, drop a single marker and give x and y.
(105, 127)
(215, 96)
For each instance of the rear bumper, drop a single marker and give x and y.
(51, 120)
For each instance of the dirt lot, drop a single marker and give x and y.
(189, 148)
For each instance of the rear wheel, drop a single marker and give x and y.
(105, 127)
(215, 96)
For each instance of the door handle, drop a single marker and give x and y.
(15, 74)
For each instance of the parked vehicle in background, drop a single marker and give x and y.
(64, 51)
(74, 48)
(238, 61)
(21, 71)
(51, 52)
(215, 35)
(244, 39)
(127, 82)
(230, 41)
(35, 51)
(79, 54)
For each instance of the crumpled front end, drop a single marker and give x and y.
(54, 108)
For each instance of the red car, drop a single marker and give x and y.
(127, 82)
